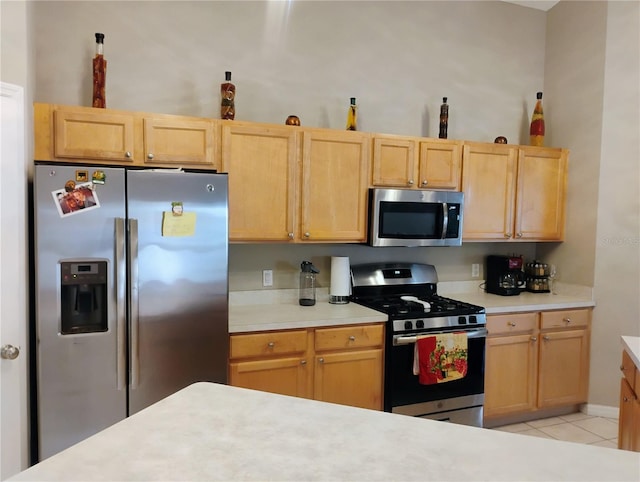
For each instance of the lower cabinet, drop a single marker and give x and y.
(338, 364)
(629, 419)
(536, 361)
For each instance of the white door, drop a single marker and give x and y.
(13, 284)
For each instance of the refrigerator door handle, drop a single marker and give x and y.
(133, 302)
(121, 303)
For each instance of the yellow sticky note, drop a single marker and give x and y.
(183, 225)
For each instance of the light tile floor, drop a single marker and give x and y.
(575, 427)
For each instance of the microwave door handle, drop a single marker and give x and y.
(445, 219)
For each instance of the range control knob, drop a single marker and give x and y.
(473, 319)
(420, 324)
(462, 320)
(408, 325)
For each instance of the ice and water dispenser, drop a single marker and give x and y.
(83, 297)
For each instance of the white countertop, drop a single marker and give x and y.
(264, 310)
(632, 346)
(280, 310)
(217, 432)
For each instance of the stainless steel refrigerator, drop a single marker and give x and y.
(130, 291)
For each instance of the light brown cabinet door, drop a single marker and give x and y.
(286, 376)
(564, 368)
(395, 162)
(350, 378)
(335, 179)
(541, 187)
(626, 419)
(511, 374)
(262, 163)
(488, 183)
(90, 135)
(179, 142)
(440, 165)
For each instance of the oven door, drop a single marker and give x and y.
(404, 394)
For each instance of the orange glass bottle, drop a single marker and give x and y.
(352, 116)
(227, 98)
(99, 74)
(536, 130)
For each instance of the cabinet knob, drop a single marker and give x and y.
(127, 154)
(290, 235)
(307, 234)
(625, 399)
(150, 155)
(507, 235)
(534, 338)
(271, 344)
(511, 323)
(545, 338)
(410, 182)
(566, 320)
(303, 362)
(352, 338)
(320, 360)
(519, 235)
(424, 182)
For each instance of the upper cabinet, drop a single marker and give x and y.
(310, 185)
(408, 162)
(89, 135)
(513, 193)
(335, 183)
(264, 178)
(179, 141)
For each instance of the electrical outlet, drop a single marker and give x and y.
(475, 270)
(267, 277)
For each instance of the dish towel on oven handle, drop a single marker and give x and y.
(440, 358)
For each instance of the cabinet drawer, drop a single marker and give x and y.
(349, 337)
(628, 369)
(564, 319)
(513, 323)
(265, 344)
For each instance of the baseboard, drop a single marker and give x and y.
(599, 410)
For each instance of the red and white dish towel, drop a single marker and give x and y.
(440, 358)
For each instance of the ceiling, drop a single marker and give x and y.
(538, 4)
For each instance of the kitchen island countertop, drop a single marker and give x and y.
(631, 344)
(209, 431)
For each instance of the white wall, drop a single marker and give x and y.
(592, 76)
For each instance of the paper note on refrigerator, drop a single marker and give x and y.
(183, 225)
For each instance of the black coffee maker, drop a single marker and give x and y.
(504, 275)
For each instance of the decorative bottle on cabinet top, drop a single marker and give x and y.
(536, 130)
(444, 119)
(352, 115)
(227, 98)
(99, 74)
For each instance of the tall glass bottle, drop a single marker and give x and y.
(536, 130)
(352, 115)
(99, 74)
(444, 119)
(227, 98)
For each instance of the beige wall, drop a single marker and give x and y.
(398, 59)
(592, 76)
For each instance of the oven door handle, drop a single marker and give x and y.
(408, 340)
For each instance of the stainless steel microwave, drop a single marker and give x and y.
(415, 217)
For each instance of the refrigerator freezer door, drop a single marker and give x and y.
(178, 229)
(75, 280)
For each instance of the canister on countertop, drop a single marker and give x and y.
(307, 296)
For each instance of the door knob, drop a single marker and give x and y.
(9, 352)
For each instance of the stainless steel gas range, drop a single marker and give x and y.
(407, 293)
